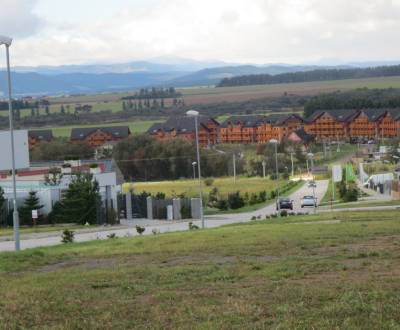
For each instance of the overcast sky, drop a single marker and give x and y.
(54, 32)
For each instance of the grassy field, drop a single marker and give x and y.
(135, 127)
(244, 93)
(277, 274)
(190, 187)
(199, 95)
(8, 231)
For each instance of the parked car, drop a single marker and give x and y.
(308, 201)
(284, 203)
(312, 184)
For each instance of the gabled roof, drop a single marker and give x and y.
(281, 119)
(303, 135)
(342, 115)
(246, 121)
(394, 113)
(118, 132)
(182, 124)
(372, 114)
(41, 135)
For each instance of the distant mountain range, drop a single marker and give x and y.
(96, 78)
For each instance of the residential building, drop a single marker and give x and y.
(240, 129)
(98, 136)
(184, 128)
(37, 136)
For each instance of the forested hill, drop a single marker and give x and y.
(314, 75)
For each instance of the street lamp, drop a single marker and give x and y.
(275, 143)
(194, 170)
(6, 41)
(311, 156)
(195, 115)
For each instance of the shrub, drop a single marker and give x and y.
(160, 195)
(222, 205)
(262, 196)
(111, 236)
(213, 197)
(253, 199)
(192, 226)
(274, 215)
(284, 213)
(67, 236)
(140, 230)
(186, 212)
(208, 182)
(235, 201)
(253, 217)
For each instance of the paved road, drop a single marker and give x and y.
(32, 241)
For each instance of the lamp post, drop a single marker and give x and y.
(195, 114)
(6, 41)
(194, 170)
(275, 143)
(311, 156)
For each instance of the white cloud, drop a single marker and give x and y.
(236, 30)
(17, 18)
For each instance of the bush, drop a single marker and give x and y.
(253, 217)
(262, 196)
(192, 226)
(222, 205)
(235, 201)
(253, 199)
(140, 230)
(67, 236)
(186, 212)
(284, 213)
(111, 236)
(160, 195)
(208, 182)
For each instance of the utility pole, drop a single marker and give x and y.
(234, 168)
(291, 159)
(264, 164)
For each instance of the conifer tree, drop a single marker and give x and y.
(32, 202)
(82, 200)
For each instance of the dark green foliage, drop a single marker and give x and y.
(362, 98)
(186, 212)
(32, 202)
(213, 197)
(155, 160)
(60, 149)
(222, 205)
(140, 230)
(2, 199)
(235, 201)
(208, 182)
(82, 200)
(314, 75)
(55, 216)
(284, 213)
(192, 226)
(67, 236)
(160, 195)
(262, 196)
(253, 199)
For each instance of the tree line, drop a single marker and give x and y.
(363, 98)
(314, 75)
(154, 93)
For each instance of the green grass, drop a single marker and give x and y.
(366, 204)
(135, 127)
(267, 274)
(190, 187)
(8, 231)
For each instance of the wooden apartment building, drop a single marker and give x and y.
(184, 128)
(35, 137)
(98, 136)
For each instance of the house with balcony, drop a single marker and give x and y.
(184, 128)
(37, 136)
(98, 136)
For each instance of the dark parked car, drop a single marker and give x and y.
(284, 203)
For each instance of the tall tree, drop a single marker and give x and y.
(32, 202)
(82, 200)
